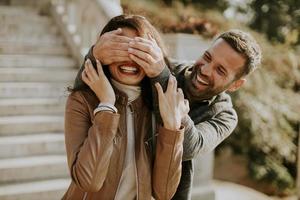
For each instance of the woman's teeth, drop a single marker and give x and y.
(129, 69)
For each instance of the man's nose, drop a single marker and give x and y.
(206, 69)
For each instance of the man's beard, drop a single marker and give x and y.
(207, 92)
(193, 93)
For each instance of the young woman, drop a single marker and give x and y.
(111, 149)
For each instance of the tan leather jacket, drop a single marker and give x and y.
(96, 147)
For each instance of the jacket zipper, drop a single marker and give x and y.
(124, 158)
(136, 180)
(136, 177)
(85, 195)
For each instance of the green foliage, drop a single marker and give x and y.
(217, 4)
(178, 18)
(278, 19)
(269, 116)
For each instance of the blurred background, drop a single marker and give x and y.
(42, 44)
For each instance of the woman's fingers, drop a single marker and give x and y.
(187, 105)
(170, 84)
(87, 70)
(180, 95)
(174, 85)
(159, 90)
(85, 78)
(91, 72)
(99, 68)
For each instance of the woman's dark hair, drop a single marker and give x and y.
(144, 29)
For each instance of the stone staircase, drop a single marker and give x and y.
(35, 70)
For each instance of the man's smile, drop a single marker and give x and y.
(201, 80)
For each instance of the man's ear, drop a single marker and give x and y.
(236, 85)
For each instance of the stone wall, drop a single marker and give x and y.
(188, 48)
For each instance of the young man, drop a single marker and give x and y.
(223, 67)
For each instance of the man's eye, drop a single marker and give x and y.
(206, 57)
(220, 71)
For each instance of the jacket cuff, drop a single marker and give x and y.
(171, 137)
(165, 73)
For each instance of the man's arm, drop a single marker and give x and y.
(205, 136)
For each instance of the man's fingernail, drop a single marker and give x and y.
(131, 42)
(130, 49)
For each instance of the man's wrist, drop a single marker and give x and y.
(164, 73)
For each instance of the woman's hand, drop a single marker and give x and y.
(98, 82)
(148, 55)
(172, 105)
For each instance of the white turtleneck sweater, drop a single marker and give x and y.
(128, 183)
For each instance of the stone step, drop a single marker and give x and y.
(30, 124)
(205, 192)
(32, 106)
(36, 61)
(37, 75)
(30, 18)
(38, 190)
(50, 39)
(37, 48)
(16, 170)
(20, 11)
(25, 30)
(27, 23)
(32, 145)
(33, 89)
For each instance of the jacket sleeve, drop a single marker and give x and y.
(89, 145)
(162, 79)
(205, 136)
(167, 163)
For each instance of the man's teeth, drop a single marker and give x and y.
(199, 79)
(129, 69)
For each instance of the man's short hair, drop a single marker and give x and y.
(246, 45)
